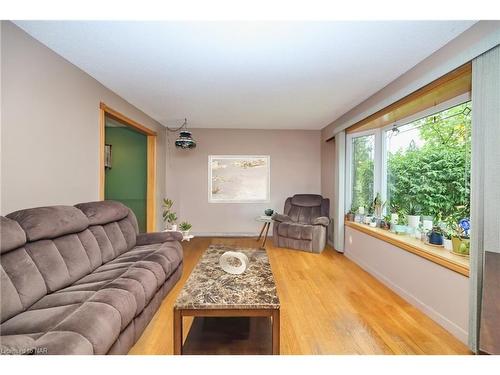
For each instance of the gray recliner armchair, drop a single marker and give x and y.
(304, 224)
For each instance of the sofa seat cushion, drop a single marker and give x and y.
(92, 324)
(91, 313)
(296, 231)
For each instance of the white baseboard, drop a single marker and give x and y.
(454, 329)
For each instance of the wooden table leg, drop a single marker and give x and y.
(265, 236)
(261, 231)
(276, 332)
(177, 332)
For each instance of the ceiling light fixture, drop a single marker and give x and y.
(185, 140)
(394, 130)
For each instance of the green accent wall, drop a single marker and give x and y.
(126, 181)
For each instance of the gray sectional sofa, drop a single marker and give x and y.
(81, 280)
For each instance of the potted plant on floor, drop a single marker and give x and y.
(169, 216)
(185, 228)
(461, 238)
(171, 220)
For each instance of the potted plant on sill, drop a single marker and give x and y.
(385, 223)
(450, 226)
(401, 226)
(413, 215)
(447, 240)
(185, 227)
(349, 216)
(435, 236)
(461, 238)
(394, 214)
(368, 217)
(378, 206)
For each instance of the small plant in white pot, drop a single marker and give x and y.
(185, 227)
(394, 215)
(169, 216)
(171, 220)
(413, 215)
(378, 208)
(450, 224)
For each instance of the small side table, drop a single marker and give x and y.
(267, 220)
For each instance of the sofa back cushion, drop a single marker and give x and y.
(20, 281)
(304, 208)
(49, 222)
(113, 225)
(12, 235)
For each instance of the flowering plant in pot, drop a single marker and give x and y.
(185, 227)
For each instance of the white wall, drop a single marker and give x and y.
(295, 168)
(481, 37)
(439, 292)
(50, 126)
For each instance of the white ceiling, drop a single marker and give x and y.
(265, 75)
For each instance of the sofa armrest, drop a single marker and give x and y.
(322, 220)
(281, 218)
(157, 237)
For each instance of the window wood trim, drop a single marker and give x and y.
(453, 84)
(436, 255)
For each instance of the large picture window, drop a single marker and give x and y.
(419, 166)
(428, 164)
(362, 167)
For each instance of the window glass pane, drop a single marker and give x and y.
(428, 164)
(363, 156)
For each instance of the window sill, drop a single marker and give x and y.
(434, 254)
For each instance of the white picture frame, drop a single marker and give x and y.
(239, 178)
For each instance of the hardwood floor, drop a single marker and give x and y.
(329, 305)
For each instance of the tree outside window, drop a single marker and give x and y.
(428, 164)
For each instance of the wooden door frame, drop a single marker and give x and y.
(104, 111)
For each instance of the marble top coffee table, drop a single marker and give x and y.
(211, 292)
